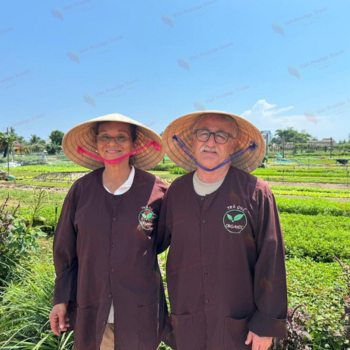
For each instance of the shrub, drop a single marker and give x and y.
(310, 191)
(163, 167)
(319, 287)
(346, 315)
(178, 171)
(17, 237)
(312, 206)
(297, 335)
(319, 237)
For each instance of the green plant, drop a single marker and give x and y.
(312, 206)
(178, 171)
(6, 226)
(310, 191)
(317, 285)
(319, 237)
(346, 315)
(164, 167)
(36, 202)
(26, 304)
(16, 239)
(297, 335)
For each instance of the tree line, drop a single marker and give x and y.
(13, 143)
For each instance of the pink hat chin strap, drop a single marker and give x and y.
(148, 144)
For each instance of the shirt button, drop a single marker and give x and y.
(203, 221)
(205, 274)
(114, 219)
(207, 301)
(109, 295)
(202, 198)
(113, 245)
(112, 270)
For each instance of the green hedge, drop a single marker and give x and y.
(310, 191)
(319, 237)
(312, 206)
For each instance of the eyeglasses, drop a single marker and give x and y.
(220, 137)
(118, 139)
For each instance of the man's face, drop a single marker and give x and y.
(210, 153)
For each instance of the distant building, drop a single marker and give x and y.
(19, 147)
(324, 142)
(288, 145)
(267, 134)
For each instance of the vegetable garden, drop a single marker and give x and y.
(316, 225)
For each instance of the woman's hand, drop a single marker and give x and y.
(58, 318)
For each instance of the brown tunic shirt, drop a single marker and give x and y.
(226, 263)
(104, 250)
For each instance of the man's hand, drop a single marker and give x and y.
(58, 318)
(258, 343)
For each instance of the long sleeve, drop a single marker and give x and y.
(270, 289)
(164, 226)
(65, 253)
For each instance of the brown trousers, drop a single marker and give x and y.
(108, 338)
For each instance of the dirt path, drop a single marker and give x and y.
(5, 185)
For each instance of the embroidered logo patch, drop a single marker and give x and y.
(235, 221)
(146, 217)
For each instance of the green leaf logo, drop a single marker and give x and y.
(144, 216)
(235, 221)
(238, 217)
(149, 216)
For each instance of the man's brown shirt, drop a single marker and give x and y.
(226, 263)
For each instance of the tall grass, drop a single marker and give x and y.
(26, 302)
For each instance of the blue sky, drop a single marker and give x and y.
(278, 64)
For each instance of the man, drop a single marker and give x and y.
(226, 268)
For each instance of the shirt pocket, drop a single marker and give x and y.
(184, 331)
(235, 333)
(148, 326)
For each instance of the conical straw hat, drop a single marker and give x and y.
(182, 127)
(82, 135)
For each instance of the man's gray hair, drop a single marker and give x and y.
(227, 118)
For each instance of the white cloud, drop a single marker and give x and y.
(265, 116)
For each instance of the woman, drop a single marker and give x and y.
(107, 271)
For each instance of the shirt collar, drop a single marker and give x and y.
(126, 185)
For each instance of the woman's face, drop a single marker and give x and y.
(114, 140)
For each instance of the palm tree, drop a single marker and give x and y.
(34, 139)
(36, 143)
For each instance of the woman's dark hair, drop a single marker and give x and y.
(133, 129)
